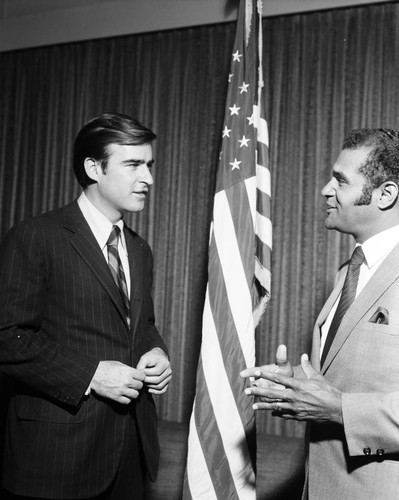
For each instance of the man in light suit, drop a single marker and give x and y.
(77, 332)
(349, 393)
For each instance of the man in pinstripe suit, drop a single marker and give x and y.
(78, 338)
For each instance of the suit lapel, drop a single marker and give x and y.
(382, 279)
(331, 299)
(85, 244)
(316, 343)
(135, 254)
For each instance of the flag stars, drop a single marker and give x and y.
(226, 131)
(236, 56)
(235, 165)
(234, 110)
(244, 87)
(251, 119)
(230, 77)
(243, 142)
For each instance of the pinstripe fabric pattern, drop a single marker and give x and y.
(116, 268)
(347, 297)
(60, 314)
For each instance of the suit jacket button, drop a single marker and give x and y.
(367, 451)
(380, 452)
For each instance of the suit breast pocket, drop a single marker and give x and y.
(380, 329)
(41, 410)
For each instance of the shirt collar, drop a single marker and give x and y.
(380, 245)
(99, 224)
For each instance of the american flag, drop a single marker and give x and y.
(221, 446)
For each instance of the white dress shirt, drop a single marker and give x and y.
(101, 228)
(375, 250)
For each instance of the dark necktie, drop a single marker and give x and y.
(115, 266)
(347, 297)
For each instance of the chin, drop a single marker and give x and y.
(329, 224)
(138, 207)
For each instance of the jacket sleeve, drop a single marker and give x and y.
(371, 422)
(26, 352)
(150, 337)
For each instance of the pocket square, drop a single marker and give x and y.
(381, 316)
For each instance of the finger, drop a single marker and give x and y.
(157, 371)
(307, 367)
(287, 382)
(266, 384)
(131, 394)
(135, 384)
(161, 374)
(250, 372)
(143, 362)
(126, 397)
(285, 416)
(153, 372)
(158, 390)
(281, 355)
(160, 387)
(123, 400)
(158, 382)
(135, 374)
(278, 407)
(272, 396)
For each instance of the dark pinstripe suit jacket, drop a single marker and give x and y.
(60, 314)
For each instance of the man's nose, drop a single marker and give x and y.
(328, 189)
(147, 176)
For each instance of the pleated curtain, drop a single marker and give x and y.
(325, 73)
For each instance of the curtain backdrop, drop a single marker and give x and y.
(325, 73)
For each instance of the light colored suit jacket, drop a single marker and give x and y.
(361, 458)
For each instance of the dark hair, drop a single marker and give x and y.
(94, 138)
(382, 163)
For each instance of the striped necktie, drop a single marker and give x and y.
(115, 266)
(347, 297)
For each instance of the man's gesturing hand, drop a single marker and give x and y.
(281, 366)
(116, 381)
(310, 399)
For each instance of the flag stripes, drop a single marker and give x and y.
(263, 205)
(234, 298)
(220, 400)
(199, 479)
(221, 453)
(242, 224)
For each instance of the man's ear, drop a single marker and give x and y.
(388, 195)
(92, 168)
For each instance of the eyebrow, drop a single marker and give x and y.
(139, 161)
(338, 174)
